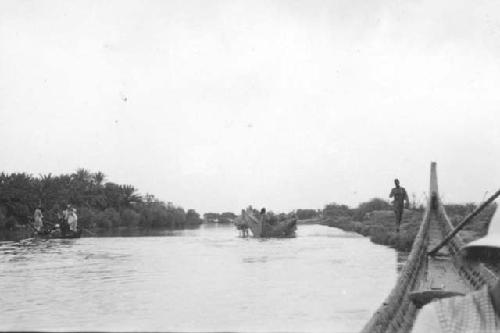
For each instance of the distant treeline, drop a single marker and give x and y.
(337, 210)
(305, 214)
(358, 213)
(226, 217)
(98, 203)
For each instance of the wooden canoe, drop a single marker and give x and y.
(262, 227)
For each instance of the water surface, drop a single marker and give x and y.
(207, 279)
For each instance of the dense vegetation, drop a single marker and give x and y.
(226, 217)
(304, 214)
(98, 203)
(375, 219)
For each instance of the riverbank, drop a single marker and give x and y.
(26, 232)
(380, 225)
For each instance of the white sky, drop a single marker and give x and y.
(215, 105)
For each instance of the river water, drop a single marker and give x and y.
(207, 279)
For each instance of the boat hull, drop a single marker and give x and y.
(57, 234)
(262, 228)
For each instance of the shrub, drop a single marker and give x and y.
(129, 218)
(3, 220)
(156, 215)
(102, 221)
(370, 206)
(335, 210)
(86, 217)
(11, 223)
(192, 217)
(304, 214)
(112, 216)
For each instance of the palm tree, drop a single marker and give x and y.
(99, 178)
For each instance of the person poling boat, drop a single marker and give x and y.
(38, 222)
(66, 228)
(73, 220)
(241, 225)
(63, 219)
(264, 224)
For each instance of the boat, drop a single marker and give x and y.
(262, 226)
(431, 272)
(56, 233)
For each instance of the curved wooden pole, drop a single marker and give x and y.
(462, 224)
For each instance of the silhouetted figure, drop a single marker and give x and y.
(400, 202)
(73, 220)
(66, 212)
(37, 216)
(64, 220)
(241, 224)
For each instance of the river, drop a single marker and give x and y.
(207, 279)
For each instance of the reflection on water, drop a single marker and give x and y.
(206, 279)
(140, 232)
(9, 235)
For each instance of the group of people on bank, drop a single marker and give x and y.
(68, 220)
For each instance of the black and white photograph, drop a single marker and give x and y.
(250, 166)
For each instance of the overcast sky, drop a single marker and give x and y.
(215, 105)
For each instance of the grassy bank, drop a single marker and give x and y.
(380, 227)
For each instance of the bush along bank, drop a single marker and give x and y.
(380, 227)
(376, 220)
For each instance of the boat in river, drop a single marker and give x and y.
(58, 234)
(262, 225)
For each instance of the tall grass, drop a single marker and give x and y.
(380, 225)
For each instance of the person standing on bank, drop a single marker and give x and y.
(400, 202)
